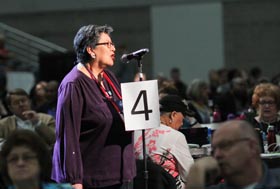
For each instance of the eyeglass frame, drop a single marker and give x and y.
(20, 101)
(268, 103)
(228, 144)
(108, 44)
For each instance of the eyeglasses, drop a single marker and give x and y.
(226, 145)
(25, 157)
(108, 44)
(269, 103)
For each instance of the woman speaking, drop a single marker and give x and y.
(92, 148)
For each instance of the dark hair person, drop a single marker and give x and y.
(24, 117)
(92, 148)
(26, 162)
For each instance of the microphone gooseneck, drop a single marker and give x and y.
(134, 55)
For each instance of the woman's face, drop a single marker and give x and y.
(105, 51)
(41, 89)
(267, 107)
(23, 165)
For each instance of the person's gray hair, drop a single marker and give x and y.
(88, 36)
(194, 89)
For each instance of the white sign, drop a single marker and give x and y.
(140, 105)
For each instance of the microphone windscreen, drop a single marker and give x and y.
(124, 58)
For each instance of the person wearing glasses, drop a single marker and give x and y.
(266, 101)
(26, 162)
(92, 148)
(23, 117)
(235, 158)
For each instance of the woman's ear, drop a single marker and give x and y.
(172, 115)
(91, 52)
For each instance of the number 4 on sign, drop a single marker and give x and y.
(146, 111)
(140, 105)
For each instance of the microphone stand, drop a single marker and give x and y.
(145, 173)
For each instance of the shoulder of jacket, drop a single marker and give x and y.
(7, 119)
(44, 116)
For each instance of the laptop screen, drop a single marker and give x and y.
(196, 135)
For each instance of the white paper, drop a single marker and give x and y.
(145, 91)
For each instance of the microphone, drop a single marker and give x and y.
(134, 55)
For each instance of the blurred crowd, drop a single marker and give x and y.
(228, 91)
(231, 95)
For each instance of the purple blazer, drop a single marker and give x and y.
(92, 147)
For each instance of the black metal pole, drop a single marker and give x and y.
(146, 172)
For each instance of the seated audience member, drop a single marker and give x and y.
(236, 158)
(214, 82)
(37, 95)
(266, 101)
(165, 145)
(168, 88)
(198, 93)
(175, 75)
(223, 81)
(49, 107)
(26, 162)
(235, 101)
(25, 118)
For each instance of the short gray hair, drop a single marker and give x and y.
(88, 36)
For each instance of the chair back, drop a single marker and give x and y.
(158, 178)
